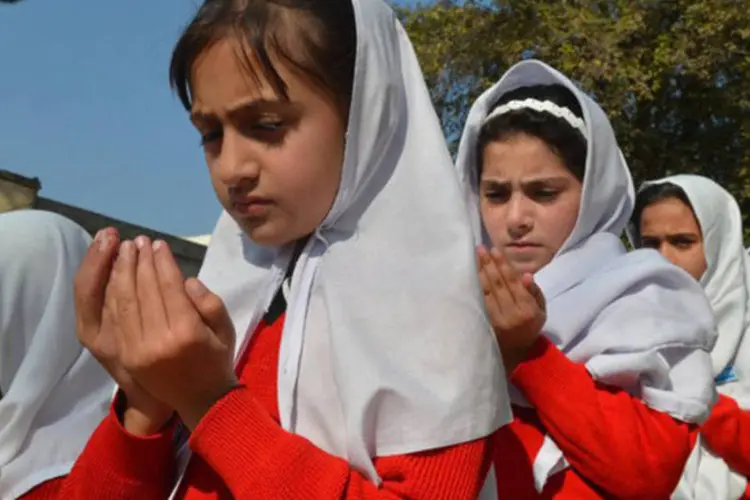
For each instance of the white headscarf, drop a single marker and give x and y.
(386, 348)
(634, 320)
(55, 393)
(725, 282)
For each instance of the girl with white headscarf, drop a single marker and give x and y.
(697, 225)
(611, 374)
(53, 393)
(344, 261)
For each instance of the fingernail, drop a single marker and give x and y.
(140, 242)
(102, 239)
(158, 245)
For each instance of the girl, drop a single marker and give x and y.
(697, 225)
(610, 378)
(53, 393)
(365, 365)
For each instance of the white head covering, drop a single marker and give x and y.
(634, 320)
(386, 347)
(55, 393)
(726, 283)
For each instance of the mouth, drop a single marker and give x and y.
(251, 206)
(523, 245)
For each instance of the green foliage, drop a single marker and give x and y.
(673, 75)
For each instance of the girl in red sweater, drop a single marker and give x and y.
(607, 351)
(342, 350)
(53, 393)
(697, 225)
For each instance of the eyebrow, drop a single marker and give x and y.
(556, 180)
(256, 105)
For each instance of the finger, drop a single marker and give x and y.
(482, 256)
(126, 296)
(212, 310)
(150, 302)
(509, 275)
(497, 281)
(177, 304)
(493, 311)
(91, 281)
(528, 282)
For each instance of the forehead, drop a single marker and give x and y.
(522, 156)
(669, 215)
(219, 74)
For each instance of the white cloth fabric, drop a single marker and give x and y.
(634, 320)
(55, 393)
(707, 475)
(386, 347)
(727, 284)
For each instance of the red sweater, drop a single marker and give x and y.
(616, 446)
(727, 434)
(240, 451)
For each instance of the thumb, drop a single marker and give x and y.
(212, 311)
(528, 282)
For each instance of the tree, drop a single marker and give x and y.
(673, 75)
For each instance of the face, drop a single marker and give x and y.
(529, 200)
(670, 227)
(275, 164)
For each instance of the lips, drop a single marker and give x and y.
(250, 206)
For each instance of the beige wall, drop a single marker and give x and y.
(16, 193)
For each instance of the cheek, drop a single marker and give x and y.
(309, 178)
(696, 262)
(494, 221)
(560, 220)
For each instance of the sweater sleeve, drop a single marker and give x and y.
(256, 458)
(727, 434)
(116, 465)
(609, 437)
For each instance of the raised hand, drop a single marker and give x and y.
(98, 330)
(176, 339)
(515, 305)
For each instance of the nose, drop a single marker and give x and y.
(520, 218)
(236, 164)
(669, 252)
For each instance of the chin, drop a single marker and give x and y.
(526, 266)
(265, 234)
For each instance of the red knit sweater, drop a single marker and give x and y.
(240, 451)
(616, 446)
(727, 434)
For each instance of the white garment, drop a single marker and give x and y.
(55, 392)
(386, 348)
(634, 320)
(727, 284)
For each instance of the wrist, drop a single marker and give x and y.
(142, 418)
(192, 413)
(518, 354)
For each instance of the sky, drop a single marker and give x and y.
(85, 106)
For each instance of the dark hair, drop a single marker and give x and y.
(562, 138)
(652, 194)
(316, 38)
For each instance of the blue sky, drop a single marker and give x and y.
(85, 106)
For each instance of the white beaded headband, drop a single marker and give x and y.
(543, 107)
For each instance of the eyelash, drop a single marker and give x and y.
(262, 127)
(541, 195)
